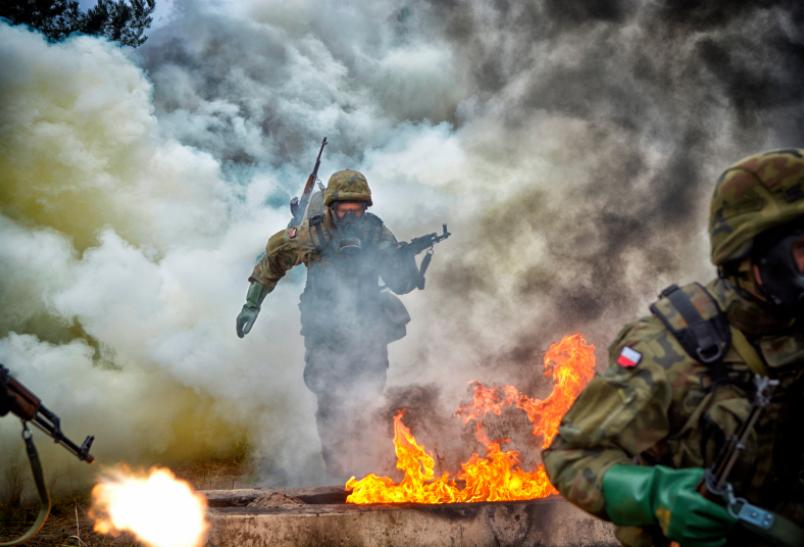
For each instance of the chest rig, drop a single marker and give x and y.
(344, 266)
(694, 318)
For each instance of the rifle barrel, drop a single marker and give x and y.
(298, 206)
(308, 186)
(80, 452)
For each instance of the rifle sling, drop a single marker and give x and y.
(744, 348)
(44, 497)
(315, 223)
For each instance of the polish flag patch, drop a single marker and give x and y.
(629, 357)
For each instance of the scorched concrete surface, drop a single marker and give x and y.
(319, 516)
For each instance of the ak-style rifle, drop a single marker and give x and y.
(419, 244)
(20, 401)
(716, 485)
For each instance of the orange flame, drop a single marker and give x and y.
(156, 507)
(497, 475)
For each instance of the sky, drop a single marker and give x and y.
(572, 148)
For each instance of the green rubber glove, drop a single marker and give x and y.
(638, 495)
(251, 309)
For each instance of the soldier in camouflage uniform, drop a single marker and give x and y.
(347, 320)
(634, 446)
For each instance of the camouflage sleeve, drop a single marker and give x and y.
(619, 415)
(398, 269)
(284, 249)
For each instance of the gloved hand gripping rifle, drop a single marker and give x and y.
(716, 485)
(419, 244)
(20, 401)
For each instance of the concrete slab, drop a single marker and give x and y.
(255, 517)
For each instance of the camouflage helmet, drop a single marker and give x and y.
(754, 195)
(347, 185)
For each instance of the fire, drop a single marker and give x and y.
(156, 507)
(497, 475)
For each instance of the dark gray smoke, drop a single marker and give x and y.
(640, 105)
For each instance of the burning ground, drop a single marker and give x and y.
(571, 147)
(496, 474)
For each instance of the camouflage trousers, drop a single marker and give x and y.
(347, 377)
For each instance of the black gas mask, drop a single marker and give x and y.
(782, 282)
(349, 231)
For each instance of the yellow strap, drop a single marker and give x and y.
(748, 353)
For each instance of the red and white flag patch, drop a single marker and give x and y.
(629, 357)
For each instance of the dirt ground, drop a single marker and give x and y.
(69, 524)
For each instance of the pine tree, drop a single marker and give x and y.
(122, 21)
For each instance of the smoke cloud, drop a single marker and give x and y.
(571, 146)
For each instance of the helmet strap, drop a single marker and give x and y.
(740, 275)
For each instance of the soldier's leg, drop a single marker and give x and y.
(358, 399)
(369, 370)
(323, 361)
(348, 380)
(332, 421)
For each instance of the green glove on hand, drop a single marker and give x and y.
(637, 495)
(246, 319)
(251, 309)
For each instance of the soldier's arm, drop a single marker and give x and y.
(398, 269)
(620, 414)
(284, 250)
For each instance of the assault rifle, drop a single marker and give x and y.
(20, 401)
(419, 244)
(299, 206)
(716, 485)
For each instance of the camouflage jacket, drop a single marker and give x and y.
(313, 248)
(672, 410)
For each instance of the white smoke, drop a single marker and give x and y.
(123, 272)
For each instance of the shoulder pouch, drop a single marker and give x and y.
(694, 318)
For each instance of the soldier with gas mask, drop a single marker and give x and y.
(714, 375)
(347, 318)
